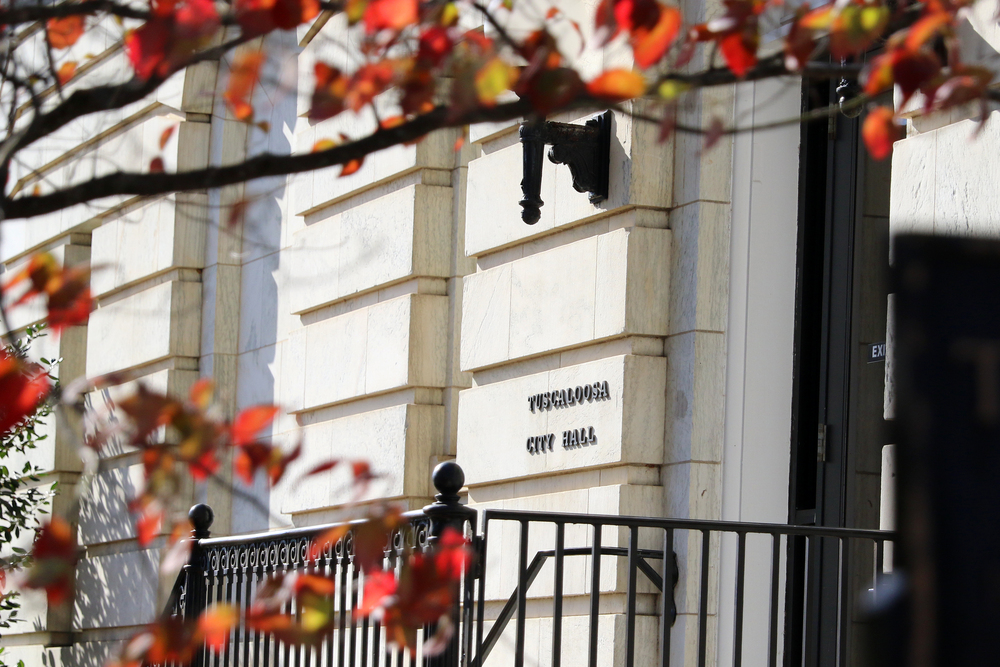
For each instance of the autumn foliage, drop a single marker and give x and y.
(437, 60)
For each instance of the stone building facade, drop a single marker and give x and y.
(636, 356)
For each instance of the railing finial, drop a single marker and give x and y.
(201, 516)
(448, 478)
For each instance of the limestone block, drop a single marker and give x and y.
(497, 422)
(582, 292)
(640, 175)
(911, 194)
(699, 267)
(117, 589)
(166, 234)
(386, 346)
(696, 396)
(104, 511)
(575, 648)
(504, 536)
(400, 235)
(436, 151)
(397, 443)
(155, 323)
(101, 409)
(966, 164)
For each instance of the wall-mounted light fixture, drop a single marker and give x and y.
(585, 149)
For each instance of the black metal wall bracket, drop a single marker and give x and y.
(585, 149)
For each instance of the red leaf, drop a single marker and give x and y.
(195, 19)
(259, 17)
(148, 524)
(66, 72)
(879, 132)
(243, 77)
(23, 387)
(617, 85)
(650, 45)
(373, 79)
(147, 48)
(389, 15)
(236, 213)
(65, 32)
(323, 467)
(249, 423)
(379, 585)
(156, 165)
(435, 45)
(54, 561)
(740, 51)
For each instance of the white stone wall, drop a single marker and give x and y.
(405, 314)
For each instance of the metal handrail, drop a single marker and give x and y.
(526, 575)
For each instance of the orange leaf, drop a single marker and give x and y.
(327, 539)
(156, 165)
(323, 145)
(200, 394)
(65, 32)
(617, 85)
(249, 422)
(66, 72)
(243, 76)
(389, 15)
(215, 623)
(856, 27)
(925, 29)
(351, 167)
(649, 46)
(880, 131)
(330, 92)
(165, 136)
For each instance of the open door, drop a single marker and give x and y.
(838, 427)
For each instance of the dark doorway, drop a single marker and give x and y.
(838, 426)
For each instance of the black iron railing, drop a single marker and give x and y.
(733, 575)
(231, 569)
(861, 557)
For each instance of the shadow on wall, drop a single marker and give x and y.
(264, 236)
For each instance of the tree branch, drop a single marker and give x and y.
(267, 164)
(35, 13)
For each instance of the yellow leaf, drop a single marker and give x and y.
(323, 145)
(671, 90)
(617, 85)
(493, 79)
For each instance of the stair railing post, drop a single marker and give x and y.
(196, 594)
(446, 512)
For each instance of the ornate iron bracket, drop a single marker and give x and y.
(585, 149)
